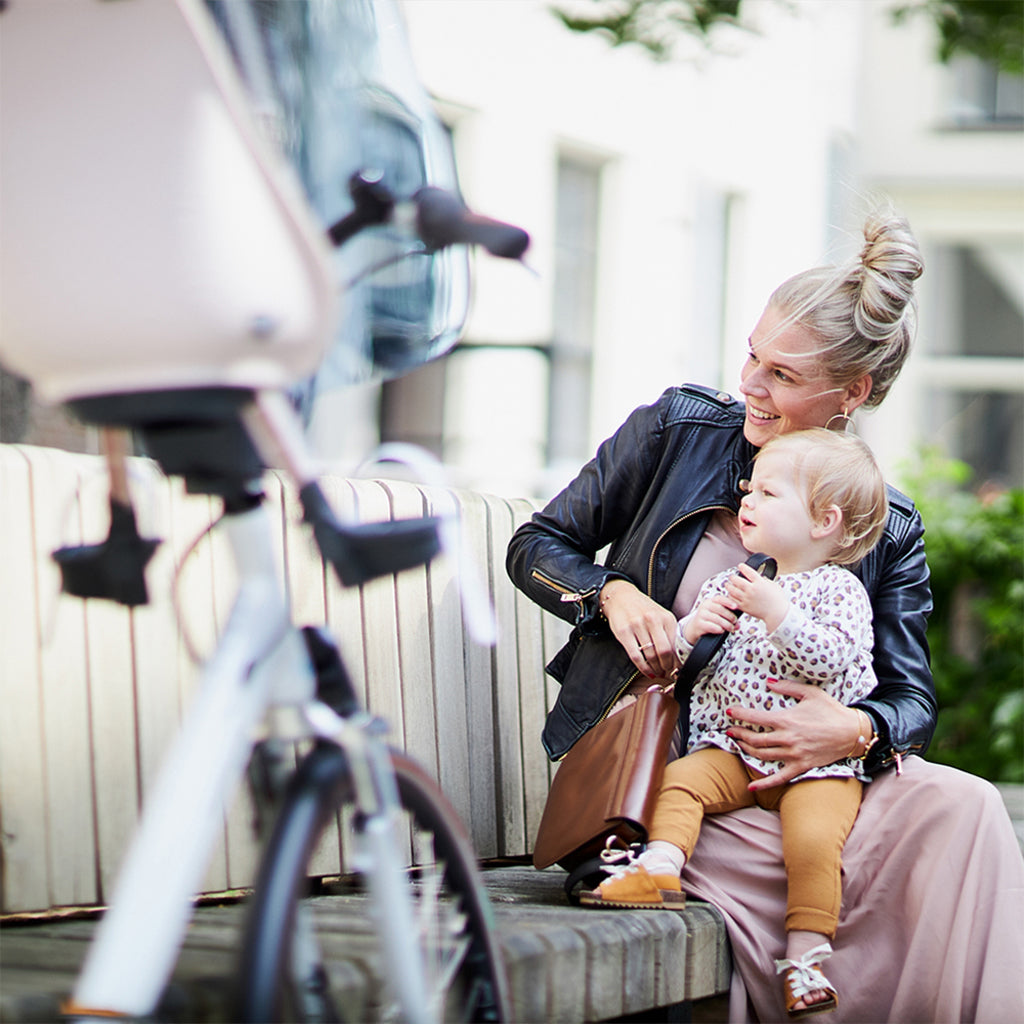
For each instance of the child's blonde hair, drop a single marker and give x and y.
(838, 469)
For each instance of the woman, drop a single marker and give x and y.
(930, 928)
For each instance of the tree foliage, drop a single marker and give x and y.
(655, 25)
(975, 549)
(992, 30)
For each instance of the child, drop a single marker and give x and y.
(816, 503)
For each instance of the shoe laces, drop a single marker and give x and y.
(806, 976)
(619, 859)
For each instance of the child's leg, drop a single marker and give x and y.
(817, 815)
(708, 781)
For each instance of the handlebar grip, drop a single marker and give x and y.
(443, 219)
(360, 552)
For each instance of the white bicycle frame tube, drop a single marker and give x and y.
(137, 941)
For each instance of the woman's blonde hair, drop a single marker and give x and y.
(864, 313)
(838, 469)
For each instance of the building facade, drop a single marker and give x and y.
(667, 199)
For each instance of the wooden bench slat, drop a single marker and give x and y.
(414, 680)
(160, 665)
(71, 852)
(112, 716)
(23, 750)
(564, 963)
(508, 700)
(451, 716)
(480, 711)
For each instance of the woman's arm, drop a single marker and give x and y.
(551, 557)
(903, 706)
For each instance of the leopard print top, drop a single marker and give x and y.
(826, 638)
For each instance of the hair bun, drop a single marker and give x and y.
(864, 310)
(890, 263)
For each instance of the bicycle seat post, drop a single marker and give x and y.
(274, 429)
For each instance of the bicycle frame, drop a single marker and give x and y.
(261, 663)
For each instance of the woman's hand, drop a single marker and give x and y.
(815, 732)
(646, 631)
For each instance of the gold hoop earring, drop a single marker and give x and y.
(845, 425)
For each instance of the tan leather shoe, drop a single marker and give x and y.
(634, 888)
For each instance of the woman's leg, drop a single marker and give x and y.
(932, 921)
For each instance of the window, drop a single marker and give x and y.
(577, 215)
(982, 96)
(975, 366)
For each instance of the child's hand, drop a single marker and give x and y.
(759, 596)
(715, 615)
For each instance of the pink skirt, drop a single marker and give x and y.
(932, 921)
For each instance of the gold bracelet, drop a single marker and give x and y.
(862, 738)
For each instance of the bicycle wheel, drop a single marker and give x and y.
(286, 967)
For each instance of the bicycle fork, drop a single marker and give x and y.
(378, 857)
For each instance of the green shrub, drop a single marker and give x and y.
(974, 543)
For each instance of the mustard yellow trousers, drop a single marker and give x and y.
(817, 815)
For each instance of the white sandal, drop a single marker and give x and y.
(803, 977)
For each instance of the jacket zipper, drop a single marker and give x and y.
(625, 686)
(668, 529)
(897, 756)
(567, 595)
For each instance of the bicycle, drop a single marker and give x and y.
(270, 685)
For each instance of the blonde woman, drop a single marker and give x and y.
(932, 848)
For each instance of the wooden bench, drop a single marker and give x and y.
(92, 693)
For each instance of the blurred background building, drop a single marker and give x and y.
(666, 199)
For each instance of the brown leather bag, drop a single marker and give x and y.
(608, 782)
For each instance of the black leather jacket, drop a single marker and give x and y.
(649, 493)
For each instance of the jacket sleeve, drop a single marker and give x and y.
(551, 558)
(903, 706)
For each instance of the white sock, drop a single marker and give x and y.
(662, 858)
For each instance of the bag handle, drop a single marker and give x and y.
(587, 875)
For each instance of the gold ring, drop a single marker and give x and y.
(643, 647)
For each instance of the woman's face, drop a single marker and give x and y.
(785, 382)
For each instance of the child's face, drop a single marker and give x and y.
(773, 516)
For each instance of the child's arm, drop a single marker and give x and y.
(711, 613)
(715, 615)
(759, 596)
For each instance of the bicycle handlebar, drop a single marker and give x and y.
(442, 219)
(360, 552)
(438, 218)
